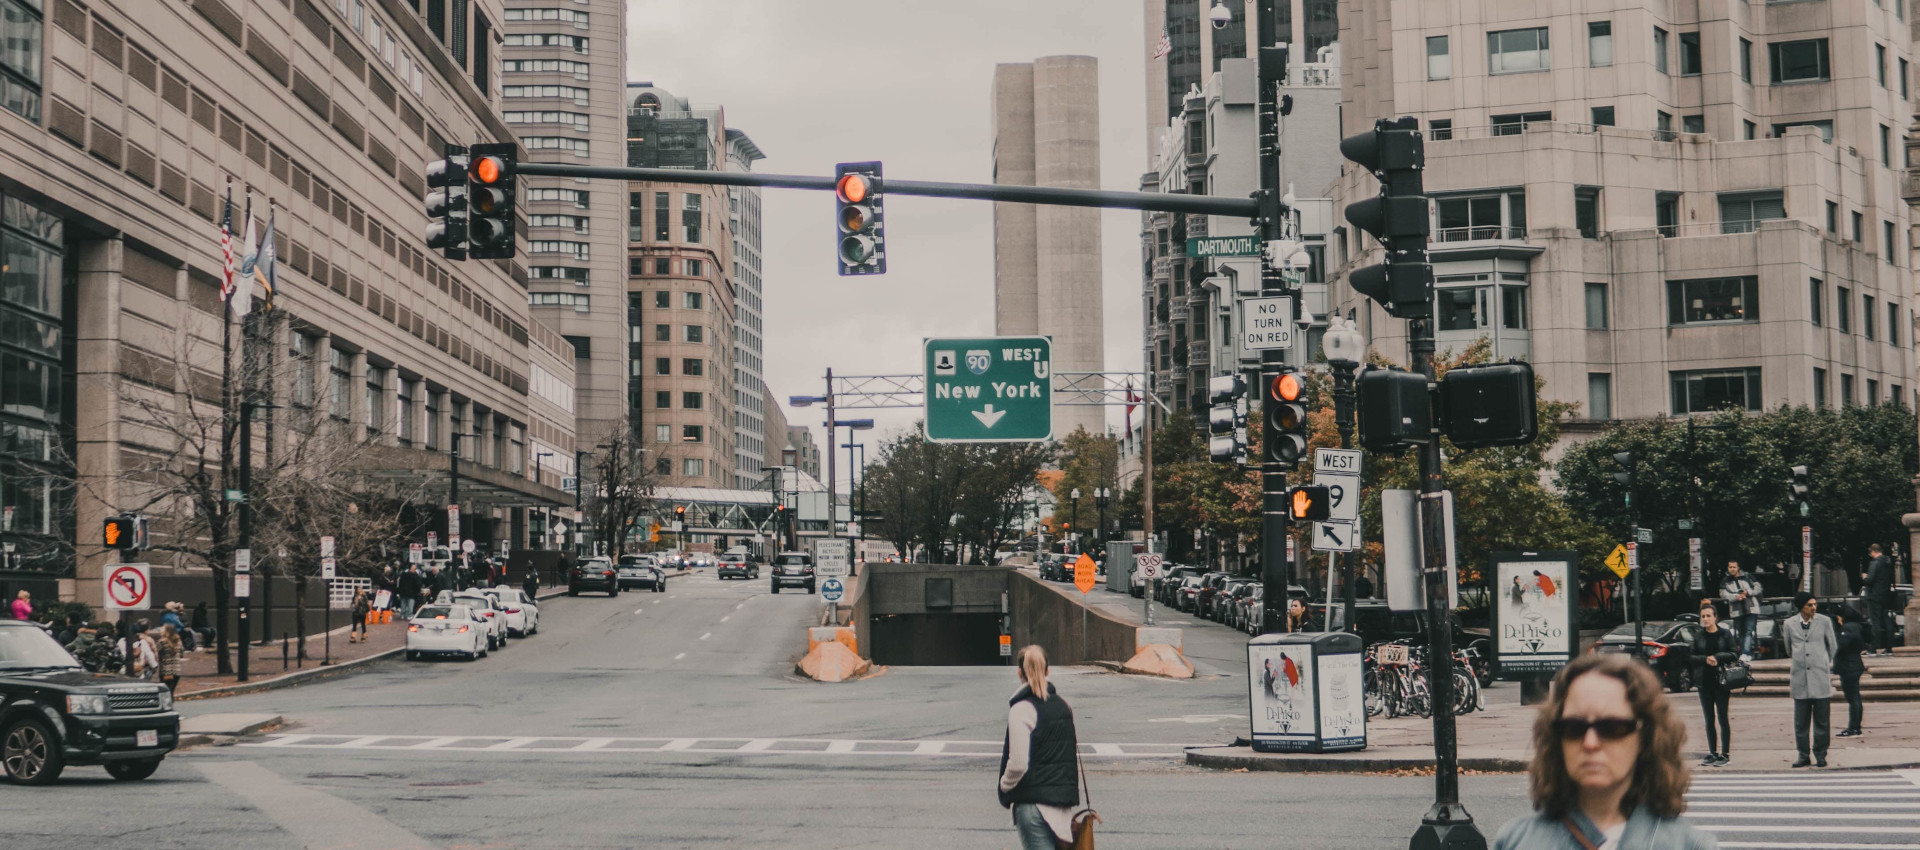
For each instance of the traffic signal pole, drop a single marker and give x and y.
(1271, 219)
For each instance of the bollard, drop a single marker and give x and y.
(283, 651)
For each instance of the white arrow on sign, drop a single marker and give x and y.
(989, 416)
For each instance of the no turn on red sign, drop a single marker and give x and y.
(129, 587)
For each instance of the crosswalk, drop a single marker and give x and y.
(724, 746)
(1809, 811)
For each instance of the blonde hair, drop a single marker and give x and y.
(23, 595)
(1033, 669)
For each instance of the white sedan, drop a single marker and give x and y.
(447, 630)
(523, 616)
(488, 610)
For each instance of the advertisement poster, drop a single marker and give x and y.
(1343, 710)
(1283, 695)
(1533, 617)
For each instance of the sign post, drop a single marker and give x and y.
(1695, 581)
(989, 389)
(1149, 564)
(1338, 470)
(1806, 558)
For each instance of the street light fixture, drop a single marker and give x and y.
(806, 400)
(1344, 347)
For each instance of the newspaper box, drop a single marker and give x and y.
(1307, 693)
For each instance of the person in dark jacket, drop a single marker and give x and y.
(409, 591)
(531, 587)
(1879, 595)
(1040, 760)
(1853, 639)
(199, 623)
(1713, 649)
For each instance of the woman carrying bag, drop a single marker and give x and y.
(1040, 775)
(1716, 652)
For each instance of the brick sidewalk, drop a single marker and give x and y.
(197, 668)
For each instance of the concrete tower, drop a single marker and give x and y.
(1046, 132)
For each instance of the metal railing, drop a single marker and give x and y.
(1478, 233)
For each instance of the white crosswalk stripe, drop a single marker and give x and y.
(1876, 810)
(519, 745)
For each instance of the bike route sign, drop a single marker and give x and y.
(989, 389)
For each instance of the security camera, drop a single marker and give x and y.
(1221, 15)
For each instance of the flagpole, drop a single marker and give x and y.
(222, 665)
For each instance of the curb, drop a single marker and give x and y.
(1244, 758)
(289, 680)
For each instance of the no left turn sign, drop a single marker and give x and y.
(128, 587)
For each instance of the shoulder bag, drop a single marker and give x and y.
(1735, 675)
(1084, 819)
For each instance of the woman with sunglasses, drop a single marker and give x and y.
(1713, 649)
(1606, 772)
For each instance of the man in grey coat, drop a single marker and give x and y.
(1742, 594)
(1811, 644)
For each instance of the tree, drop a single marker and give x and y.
(622, 491)
(948, 497)
(1087, 463)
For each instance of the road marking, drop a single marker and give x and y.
(428, 744)
(929, 748)
(758, 745)
(840, 747)
(521, 746)
(593, 743)
(313, 818)
(639, 610)
(707, 635)
(511, 743)
(726, 618)
(680, 656)
(678, 744)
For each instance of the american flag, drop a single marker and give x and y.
(1132, 399)
(226, 247)
(1165, 47)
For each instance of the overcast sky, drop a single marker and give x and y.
(815, 82)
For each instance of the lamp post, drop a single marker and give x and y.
(1344, 346)
(546, 514)
(833, 496)
(1101, 495)
(856, 492)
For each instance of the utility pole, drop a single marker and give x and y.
(1271, 218)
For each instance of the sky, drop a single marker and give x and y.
(909, 83)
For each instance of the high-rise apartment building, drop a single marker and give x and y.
(562, 83)
(1187, 48)
(122, 123)
(681, 305)
(1046, 132)
(806, 451)
(1667, 210)
(749, 391)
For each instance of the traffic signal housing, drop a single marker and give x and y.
(493, 192)
(1310, 503)
(1802, 489)
(1227, 419)
(1285, 409)
(859, 220)
(1628, 467)
(1395, 407)
(447, 204)
(1489, 405)
(124, 532)
(1394, 152)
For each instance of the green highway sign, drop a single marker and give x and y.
(1224, 246)
(996, 389)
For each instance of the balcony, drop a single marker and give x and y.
(1179, 310)
(1482, 242)
(1314, 76)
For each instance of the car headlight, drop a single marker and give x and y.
(166, 700)
(86, 704)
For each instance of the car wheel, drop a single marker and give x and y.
(132, 771)
(31, 754)
(809, 587)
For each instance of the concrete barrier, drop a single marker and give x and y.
(831, 655)
(1046, 615)
(1156, 652)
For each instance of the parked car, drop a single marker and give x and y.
(1210, 584)
(595, 574)
(641, 571)
(523, 614)
(1226, 605)
(736, 563)
(1248, 609)
(446, 630)
(1667, 645)
(793, 569)
(54, 714)
(486, 609)
(1169, 582)
(1187, 595)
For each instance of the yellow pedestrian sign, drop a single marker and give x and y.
(1617, 561)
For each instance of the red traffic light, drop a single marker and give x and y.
(854, 188)
(488, 169)
(1287, 386)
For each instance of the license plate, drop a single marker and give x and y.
(146, 738)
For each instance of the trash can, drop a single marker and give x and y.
(1307, 693)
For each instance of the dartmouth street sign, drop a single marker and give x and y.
(1224, 246)
(990, 389)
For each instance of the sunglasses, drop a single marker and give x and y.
(1608, 728)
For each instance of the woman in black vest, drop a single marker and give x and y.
(1039, 763)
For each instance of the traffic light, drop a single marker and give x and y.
(447, 204)
(493, 193)
(680, 515)
(1285, 406)
(1624, 475)
(1395, 407)
(653, 533)
(1395, 153)
(1802, 491)
(1309, 503)
(1489, 405)
(1227, 419)
(126, 533)
(859, 221)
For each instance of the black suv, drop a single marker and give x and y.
(793, 569)
(54, 714)
(596, 574)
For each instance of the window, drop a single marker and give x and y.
(1880, 63)
(376, 399)
(1599, 395)
(1497, 215)
(696, 268)
(573, 196)
(1843, 309)
(695, 300)
(663, 433)
(1659, 50)
(579, 70)
(662, 266)
(1893, 323)
(583, 345)
(576, 250)
(568, 16)
(1586, 211)
(1513, 306)
(576, 120)
(1833, 218)
(577, 43)
(1799, 61)
(1693, 123)
(1713, 299)
(662, 216)
(577, 300)
(663, 365)
(1816, 297)
(1743, 213)
(1603, 116)
(1886, 146)
(1517, 51)
(1868, 316)
(1749, 129)
(1440, 130)
(695, 333)
(1889, 244)
(694, 467)
(1819, 387)
(579, 224)
(693, 400)
(1599, 43)
(1746, 61)
(663, 399)
(1461, 308)
(662, 299)
(1904, 72)
(1516, 123)
(433, 419)
(1663, 126)
(1439, 64)
(662, 466)
(482, 55)
(340, 371)
(1689, 54)
(1846, 390)
(1597, 307)
(579, 147)
(1873, 392)
(690, 217)
(1825, 128)
(1666, 213)
(1859, 227)
(1704, 391)
(662, 333)
(22, 33)
(693, 366)
(578, 94)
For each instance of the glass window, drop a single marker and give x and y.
(1461, 308)
(1889, 243)
(695, 301)
(1743, 213)
(663, 365)
(1693, 123)
(1873, 392)
(403, 407)
(1816, 297)
(1666, 213)
(1659, 50)
(1843, 309)
(1597, 307)
(1868, 316)
(696, 268)
(1439, 64)
(693, 400)
(1819, 387)
(1904, 72)
(1707, 390)
(1490, 216)
(376, 399)
(1799, 61)
(22, 34)
(1880, 63)
(1599, 395)
(663, 433)
(1893, 323)
(690, 217)
(1599, 43)
(1833, 218)
(662, 399)
(1824, 126)
(1513, 307)
(693, 433)
(1886, 146)
(696, 333)
(433, 420)
(1746, 61)
(1440, 130)
(1516, 51)
(1603, 116)
(1663, 126)
(662, 216)
(1713, 299)
(693, 467)
(1748, 128)
(1846, 390)
(693, 366)
(1516, 123)
(1586, 211)
(1689, 54)
(341, 370)
(662, 333)
(662, 299)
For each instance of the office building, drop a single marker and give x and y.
(750, 402)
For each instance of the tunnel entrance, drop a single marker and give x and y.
(934, 614)
(945, 640)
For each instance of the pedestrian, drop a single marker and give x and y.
(70, 629)
(23, 606)
(409, 585)
(1363, 586)
(1040, 759)
(1743, 605)
(172, 618)
(1714, 648)
(1811, 644)
(1606, 768)
(1879, 596)
(167, 650)
(145, 654)
(358, 616)
(1853, 639)
(1299, 619)
(199, 623)
(532, 585)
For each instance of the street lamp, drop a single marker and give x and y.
(1073, 513)
(546, 514)
(1344, 346)
(833, 499)
(1101, 495)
